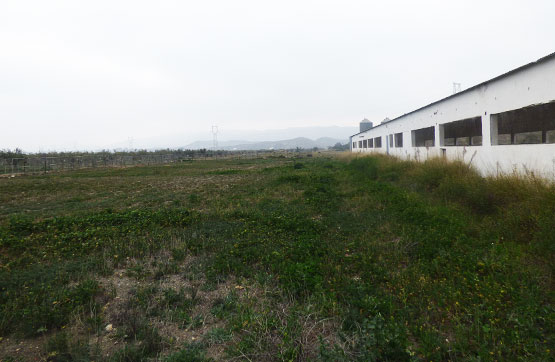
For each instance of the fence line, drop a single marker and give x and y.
(43, 164)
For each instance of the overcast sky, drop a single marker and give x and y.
(91, 74)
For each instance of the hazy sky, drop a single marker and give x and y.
(90, 74)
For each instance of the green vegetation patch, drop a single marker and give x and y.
(367, 259)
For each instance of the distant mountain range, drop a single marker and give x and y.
(245, 139)
(300, 142)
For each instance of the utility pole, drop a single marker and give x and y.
(214, 137)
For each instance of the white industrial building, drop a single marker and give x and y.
(503, 125)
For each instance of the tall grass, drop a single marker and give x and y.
(519, 206)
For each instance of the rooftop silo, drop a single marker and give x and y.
(365, 125)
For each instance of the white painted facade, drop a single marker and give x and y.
(528, 85)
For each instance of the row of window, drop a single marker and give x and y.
(377, 141)
(528, 125)
(370, 143)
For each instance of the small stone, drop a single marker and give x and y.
(109, 328)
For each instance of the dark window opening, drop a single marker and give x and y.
(398, 139)
(364, 144)
(424, 137)
(378, 142)
(528, 125)
(466, 132)
(359, 144)
(371, 143)
(354, 145)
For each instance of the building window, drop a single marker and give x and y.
(359, 144)
(466, 132)
(364, 144)
(371, 143)
(378, 142)
(390, 140)
(424, 137)
(528, 125)
(354, 145)
(399, 139)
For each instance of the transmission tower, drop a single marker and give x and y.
(215, 137)
(456, 87)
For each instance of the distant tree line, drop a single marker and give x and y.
(339, 147)
(186, 153)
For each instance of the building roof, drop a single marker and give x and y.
(511, 72)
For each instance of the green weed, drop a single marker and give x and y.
(419, 261)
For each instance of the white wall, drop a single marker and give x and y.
(532, 85)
